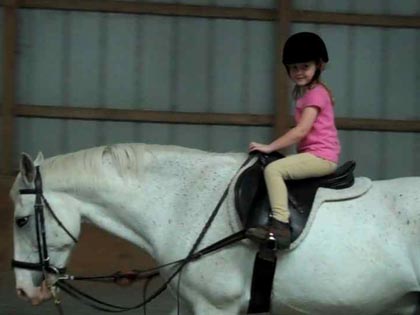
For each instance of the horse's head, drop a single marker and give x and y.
(46, 227)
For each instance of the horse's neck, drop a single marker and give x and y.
(171, 200)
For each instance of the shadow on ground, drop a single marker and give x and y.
(10, 304)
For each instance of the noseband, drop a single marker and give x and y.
(44, 265)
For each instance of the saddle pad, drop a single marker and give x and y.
(360, 187)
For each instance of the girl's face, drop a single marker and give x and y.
(302, 73)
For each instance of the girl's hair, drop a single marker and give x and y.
(299, 91)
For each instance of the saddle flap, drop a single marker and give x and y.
(248, 185)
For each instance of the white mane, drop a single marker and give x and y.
(125, 161)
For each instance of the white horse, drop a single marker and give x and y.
(361, 256)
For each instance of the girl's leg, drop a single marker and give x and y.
(298, 166)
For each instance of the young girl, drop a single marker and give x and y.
(304, 56)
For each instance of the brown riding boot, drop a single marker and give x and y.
(277, 229)
(281, 232)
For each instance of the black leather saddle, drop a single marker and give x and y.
(251, 198)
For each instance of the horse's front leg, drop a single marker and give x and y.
(204, 308)
(217, 284)
(209, 310)
(209, 298)
(181, 311)
(197, 304)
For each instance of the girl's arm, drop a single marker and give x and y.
(293, 136)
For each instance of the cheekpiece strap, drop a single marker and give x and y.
(38, 185)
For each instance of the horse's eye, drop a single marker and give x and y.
(22, 221)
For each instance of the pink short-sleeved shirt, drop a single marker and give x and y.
(322, 140)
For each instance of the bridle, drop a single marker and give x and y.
(44, 265)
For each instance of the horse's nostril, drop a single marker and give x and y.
(21, 293)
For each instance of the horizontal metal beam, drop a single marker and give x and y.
(229, 119)
(378, 124)
(152, 8)
(397, 21)
(133, 115)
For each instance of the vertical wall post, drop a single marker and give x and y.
(9, 59)
(281, 123)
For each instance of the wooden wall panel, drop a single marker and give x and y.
(9, 73)
(285, 15)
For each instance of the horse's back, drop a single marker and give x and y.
(400, 185)
(355, 244)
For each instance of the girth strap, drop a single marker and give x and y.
(262, 284)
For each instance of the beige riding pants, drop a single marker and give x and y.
(297, 166)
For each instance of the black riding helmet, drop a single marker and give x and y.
(304, 47)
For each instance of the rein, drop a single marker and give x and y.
(44, 265)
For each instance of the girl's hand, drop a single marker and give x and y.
(254, 146)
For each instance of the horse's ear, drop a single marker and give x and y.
(27, 168)
(39, 158)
